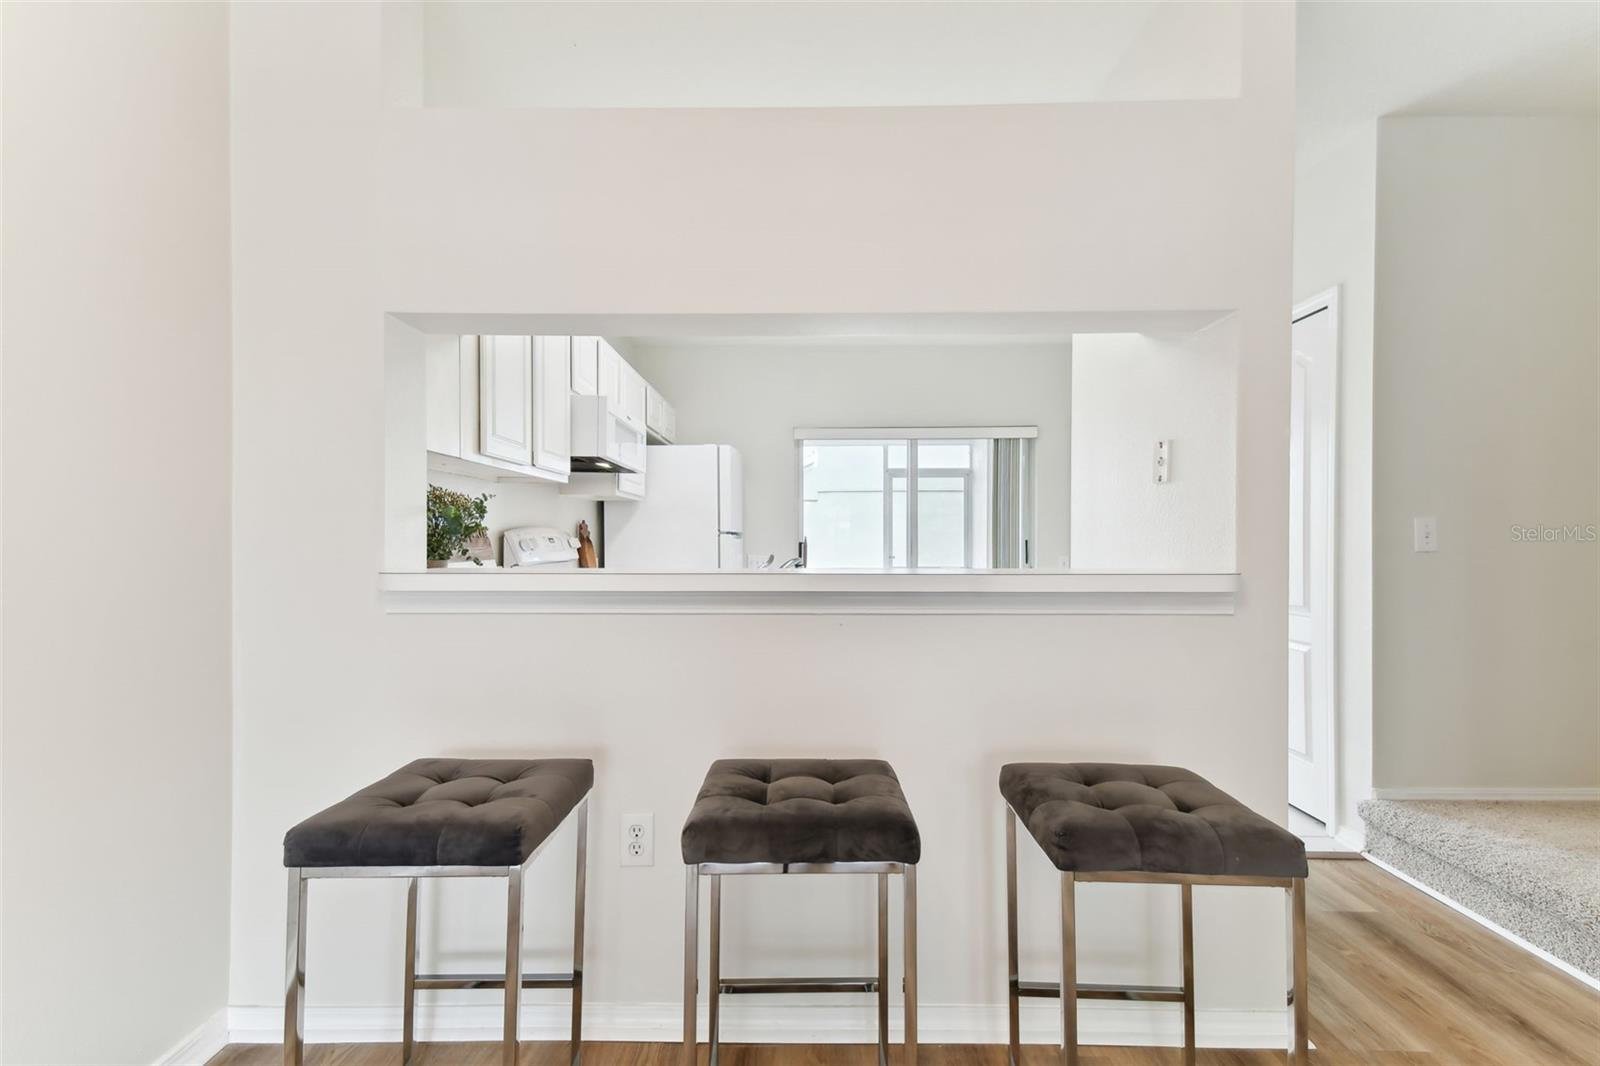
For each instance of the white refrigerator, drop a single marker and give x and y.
(691, 517)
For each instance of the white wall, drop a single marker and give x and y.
(1485, 398)
(1335, 219)
(823, 55)
(1115, 206)
(1130, 390)
(754, 396)
(116, 449)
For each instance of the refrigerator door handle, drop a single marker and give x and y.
(729, 533)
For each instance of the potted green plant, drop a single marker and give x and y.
(454, 519)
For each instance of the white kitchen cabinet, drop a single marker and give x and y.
(455, 383)
(505, 398)
(552, 404)
(609, 366)
(586, 366)
(660, 419)
(631, 486)
(605, 487)
(632, 389)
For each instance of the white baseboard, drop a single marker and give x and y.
(1498, 930)
(1353, 837)
(1136, 1024)
(200, 1046)
(1530, 794)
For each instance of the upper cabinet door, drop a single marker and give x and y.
(610, 366)
(552, 404)
(659, 417)
(505, 399)
(586, 366)
(633, 390)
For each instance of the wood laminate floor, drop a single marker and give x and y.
(1397, 979)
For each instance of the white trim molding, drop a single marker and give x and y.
(1353, 837)
(830, 592)
(1125, 1024)
(202, 1045)
(1499, 930)
(1547, 795)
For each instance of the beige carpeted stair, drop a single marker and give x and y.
(1532, 868)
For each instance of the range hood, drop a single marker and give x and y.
(603, 440)
(594, 464)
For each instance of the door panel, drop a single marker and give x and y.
(552, 403)
(506, 398)
(1309, 700)
(1299, 546)
(586, 366)
(1300, 701)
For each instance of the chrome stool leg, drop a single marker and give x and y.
(1013, 970)
(294, 998)
(714, 964)
(577, 935)
(408, 1007)
(513, 964)
(1188, 974)
(691, 960)
(883, 970)
(1069, 969)
(909, 877)
(1301, 1008)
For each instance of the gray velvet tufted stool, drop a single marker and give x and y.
(1144, 825)
(444, 818)
(800, 816)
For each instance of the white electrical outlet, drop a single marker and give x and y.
(638, 840)
(1163, 464)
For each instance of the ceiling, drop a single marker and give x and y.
(1358, 61)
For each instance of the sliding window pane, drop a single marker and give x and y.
(842, 485)
(941, 520)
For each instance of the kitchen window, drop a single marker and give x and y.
(955, 498)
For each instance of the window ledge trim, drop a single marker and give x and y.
(574, 592)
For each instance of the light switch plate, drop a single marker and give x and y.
(1425, 534)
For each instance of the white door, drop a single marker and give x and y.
(1313, 382)
(505, 399)
(552, 404)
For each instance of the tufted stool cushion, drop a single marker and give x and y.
(801, 810)
(445, 812)
(1152, 819)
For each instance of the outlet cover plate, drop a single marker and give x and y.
(638, 840)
